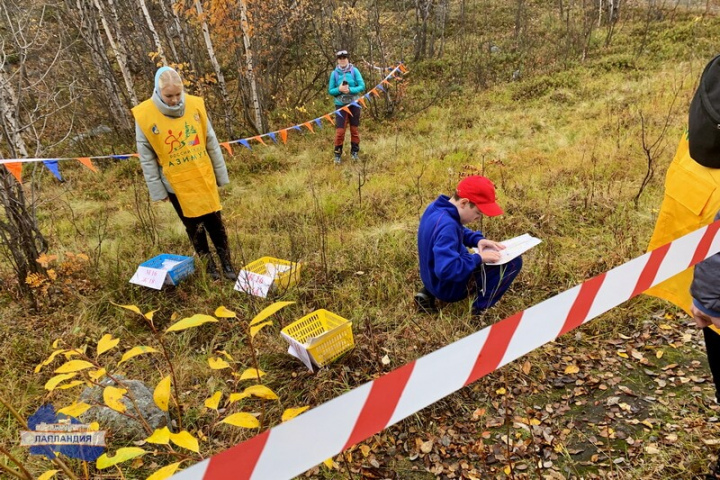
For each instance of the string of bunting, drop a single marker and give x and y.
(375, 67)
(14, 165)
(291, 448)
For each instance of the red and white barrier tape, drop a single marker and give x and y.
(293, 447)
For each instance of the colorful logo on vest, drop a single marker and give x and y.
(176, 141)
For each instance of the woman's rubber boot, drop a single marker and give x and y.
(211, 268)
(227, 268)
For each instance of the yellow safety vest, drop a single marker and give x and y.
(180, 146)
(692, 198)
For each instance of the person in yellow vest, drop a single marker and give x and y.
(182, 163)
(691, 201)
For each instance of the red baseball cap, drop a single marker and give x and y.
(480, 191)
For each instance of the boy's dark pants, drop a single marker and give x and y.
(712, 344)
(498, 279)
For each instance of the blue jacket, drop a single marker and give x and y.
(445, 263)
(354, 79)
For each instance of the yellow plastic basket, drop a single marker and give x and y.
(327, 335)
(284, 279)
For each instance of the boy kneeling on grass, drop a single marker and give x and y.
(448, 270)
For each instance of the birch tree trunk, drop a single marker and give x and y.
(216, 67)
(89, 30)
(119, 52)
(260, 123)
(151, 27)
(168, 33)
(185, 47)
(20, 237)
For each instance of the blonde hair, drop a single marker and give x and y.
(169, 77)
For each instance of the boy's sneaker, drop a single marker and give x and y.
(354, 156)
(425, 301)
(338, 159)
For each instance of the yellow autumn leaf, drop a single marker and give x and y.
(501, 391)
(73, 366)
(72, 384)
(214, 401)
(330, 463)
(190, 322)
(251, 374)
(226, 355)
(241, 419)
(161, 436)
(49, 360)
(365, 450)
(293, 412)
(267, 311)
(135, 351)
(261, 391)
(570, 369)
(106, 343)
(74, 352)
(665, 326)
(223, 312)
(255, 329)
(165, 472)
(659, 354)
(122, 455)
(132, 308)
(112, 396)
(57, 379)
(97, 374)
(161, 395)
(75, 410)
(234, 397)
(217, 363)
(48, 475)
(149, 315)
(623, 355)
(186, 440)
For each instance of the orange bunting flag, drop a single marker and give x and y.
(226, 146)
(386, 82)
(309, 126)
(402, 68)
(88, 163)
(328, 118)
(259, 139)
(362, 102)
(347, 109)
(374, 92)
(283, 136)
(16, 169)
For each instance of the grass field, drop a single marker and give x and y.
(564, 147)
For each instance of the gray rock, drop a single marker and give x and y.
(119, 425)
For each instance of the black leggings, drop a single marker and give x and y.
(712, 344)
(196, 227)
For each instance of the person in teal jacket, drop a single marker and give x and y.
(346, 84)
